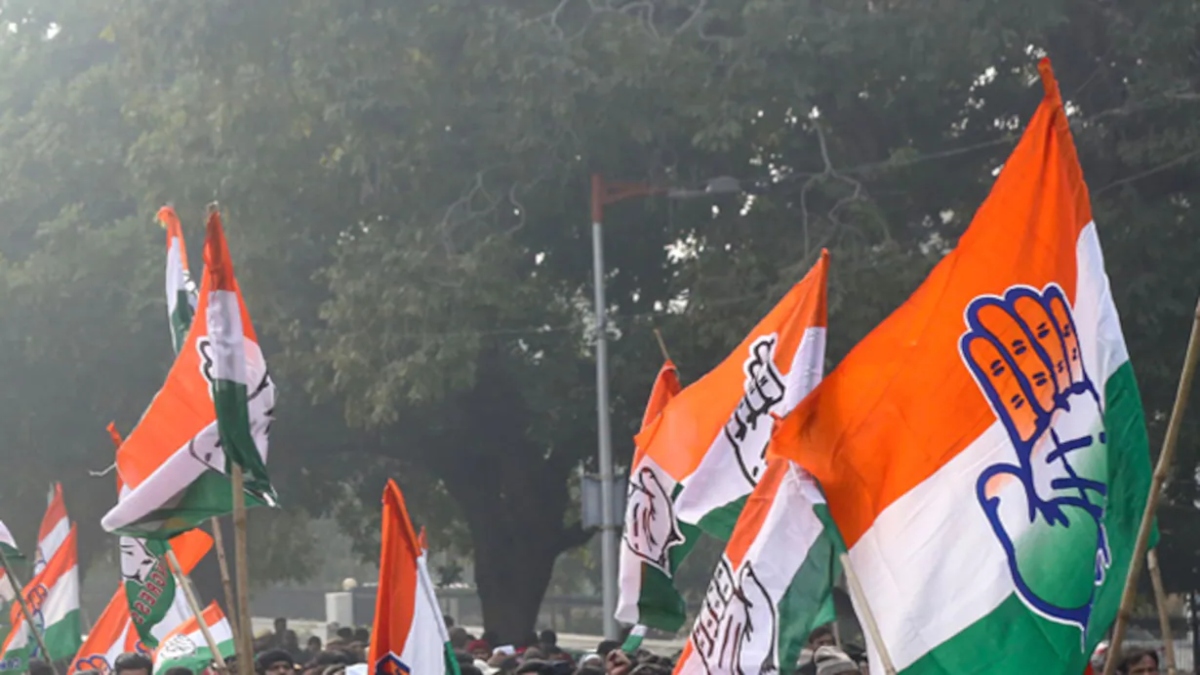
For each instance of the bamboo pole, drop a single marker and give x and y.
(197, 611)
(245, 660)
(662, 345)
(226, 582)
(1160, 600)
(20, 588)
(868, 619)
(1170, 441)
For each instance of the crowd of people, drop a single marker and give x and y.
(280, 653)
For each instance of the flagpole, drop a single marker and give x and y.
(226, 582)
(1170, 441)
(12, 578)
(867, 617)
(245, 660)
(1160, 599)
(197, 612)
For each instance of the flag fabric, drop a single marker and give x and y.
(181, 290)
(409, 635)
(774, 583)
(175, 462)
(185, 647)
(54, 529)
(114, 633)
(233, 339)
(150, 585)
(646, 594)
(53, 599)
(151, 589)
(7, 592)
(703, 454)
(983, 451)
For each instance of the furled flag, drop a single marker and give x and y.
(705, 452)
(114, 633)
(774, 583)
(53, 599)
(185, 647)
(150, 585)
(409, 635)
(54, 529)
(175, 462)
(181, 290)
(9, 545)
(983, 450)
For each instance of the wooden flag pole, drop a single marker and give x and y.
(1170, 441)
(868, 619)
(245, 660)
(226, 582)
(20, 588)
(186, 583)
(662, 345)
(1164, 620)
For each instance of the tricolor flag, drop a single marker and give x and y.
(983, 450)
(150, 586)
(181, 290)
(409, 635)
(114, 632)
(700, 458)
(53, 599)
(151, 590)
(774, 583)
(54, 529)
(185, 647)
(175, 462)
(647, 594)
(9, 545)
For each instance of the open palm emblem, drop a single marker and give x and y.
(1046, 505)
(651, 529)
(736, 631)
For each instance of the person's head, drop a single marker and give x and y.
(548, 638)
(345, 634)
(133, 663)
(833, 661)
(459, 637)
(479, 649)
(314, 644)
(606, 646)
(821, 637)
(449, 621)
(491, 637)
(39, 667)
(178, 670)
(532, 654)
(280, 625)
(469, 669)
(1138, 662)
(333, 657)
(274, 662)
(362, 634)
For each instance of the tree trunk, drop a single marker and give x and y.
(513, 494)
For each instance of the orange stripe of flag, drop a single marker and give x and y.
(395, 602)
(902, 404)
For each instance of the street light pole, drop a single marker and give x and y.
(604, 193)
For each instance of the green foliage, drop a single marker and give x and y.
(405, 187)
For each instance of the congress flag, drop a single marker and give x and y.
(181, 290)
(53, 599)
(185, 647)
(701, 456)
(983, 450)
(216, 406)
(409, 635)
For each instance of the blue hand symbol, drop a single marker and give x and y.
(1046, 507)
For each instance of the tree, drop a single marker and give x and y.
(406, 188)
